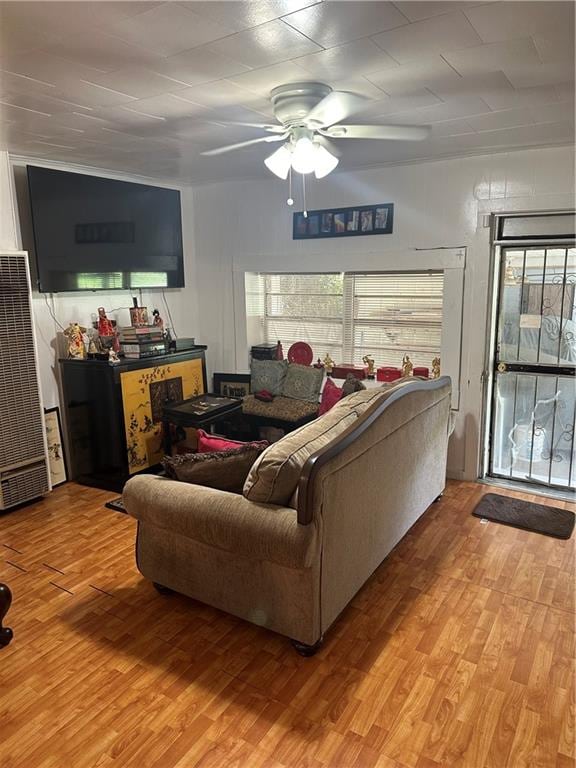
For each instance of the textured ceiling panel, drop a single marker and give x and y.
(144, 87)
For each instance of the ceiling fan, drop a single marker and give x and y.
(309, 116)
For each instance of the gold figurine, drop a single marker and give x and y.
(368, 361)
(436, 368)
(407, 366)
(328, 364)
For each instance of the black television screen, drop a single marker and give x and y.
(92, 233)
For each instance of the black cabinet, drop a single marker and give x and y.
(112, 413)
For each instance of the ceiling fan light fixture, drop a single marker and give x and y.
(325, 162)
(279, 162)
(304, 155)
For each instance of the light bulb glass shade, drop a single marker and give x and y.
(304, 156)
(325, 162)
(279, 162)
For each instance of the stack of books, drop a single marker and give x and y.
(142, 341)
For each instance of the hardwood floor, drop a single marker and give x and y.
(458, 652)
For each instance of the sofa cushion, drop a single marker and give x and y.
(268, 375)
(208, 443)
(275, 474)
(303, 382)
(330, 396)
(352, 384)
(224, 470)
(280, 409)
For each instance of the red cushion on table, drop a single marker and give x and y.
(208, 443)
(330, 396)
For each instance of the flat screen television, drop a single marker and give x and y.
(92, 233)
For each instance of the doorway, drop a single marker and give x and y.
(533, 393)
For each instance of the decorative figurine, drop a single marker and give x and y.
(279, 351)
(75, 336)
(93, 342)
(157, 321)
(407, 367)
(328, 364)
(436, 368)
(105, 326)
(368, 361)
(113, 356)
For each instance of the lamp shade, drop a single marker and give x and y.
(325, 162)
(304, 156)
(279, 162)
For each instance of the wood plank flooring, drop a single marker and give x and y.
(458, 652)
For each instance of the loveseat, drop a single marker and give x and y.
(320, 510)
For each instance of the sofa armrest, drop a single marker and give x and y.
(220, 519)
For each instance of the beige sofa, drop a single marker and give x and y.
(352, 483)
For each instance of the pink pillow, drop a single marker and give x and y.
(330, 396)
(208, 443)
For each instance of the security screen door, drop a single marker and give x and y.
(534, 392)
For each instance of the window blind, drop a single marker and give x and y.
(386, 315)
(392, 314)
(305, 307)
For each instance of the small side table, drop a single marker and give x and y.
(202, 411)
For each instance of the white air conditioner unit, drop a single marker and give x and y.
(24, 468)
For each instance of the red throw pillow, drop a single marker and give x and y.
(208, 443)
(330, 396)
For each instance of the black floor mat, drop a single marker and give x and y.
(551, 521)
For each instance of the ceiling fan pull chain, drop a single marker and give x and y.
(290, 200)
(304, 196)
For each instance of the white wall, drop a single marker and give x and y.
(54, 310)
(246, 226)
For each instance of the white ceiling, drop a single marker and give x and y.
(144, 87)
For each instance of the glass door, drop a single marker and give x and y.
(534, 391)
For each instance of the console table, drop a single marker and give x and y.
(113, 412)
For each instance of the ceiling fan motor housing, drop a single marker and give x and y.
(293, 102)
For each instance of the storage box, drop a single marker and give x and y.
(264, 351)
(388, 374)
(341, 371)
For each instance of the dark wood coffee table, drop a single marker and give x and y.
(201, 412)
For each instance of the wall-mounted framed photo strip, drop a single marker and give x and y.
(344, 222)
(56, 456)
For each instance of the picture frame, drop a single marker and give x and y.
(55, 445)
(353, 221)
(232, 384)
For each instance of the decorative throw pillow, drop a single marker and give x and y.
(303, 382)
(208, 443)
(330, 396)
(275, 474)
(224, 470)
(268, 375)
(352, 384)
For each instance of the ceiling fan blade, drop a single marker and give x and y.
(329, 145)
(240, 144)
(271, 127)
(390, 132)
(337, 106)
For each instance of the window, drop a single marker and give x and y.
(392, 314)
(350, 315)
(305, 308)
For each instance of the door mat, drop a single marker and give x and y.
(538, 518)
(117, 505)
